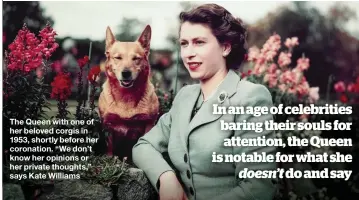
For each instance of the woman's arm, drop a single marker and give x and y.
(256, 189)
(147, 152)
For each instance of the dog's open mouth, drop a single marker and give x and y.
(126, 83)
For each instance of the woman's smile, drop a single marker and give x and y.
(193, 65)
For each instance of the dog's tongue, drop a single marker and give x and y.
(126, 82)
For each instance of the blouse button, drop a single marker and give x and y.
(191, 190)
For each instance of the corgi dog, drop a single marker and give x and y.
(128, 104)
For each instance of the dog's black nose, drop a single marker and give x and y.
(126, 74)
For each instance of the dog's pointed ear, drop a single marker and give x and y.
(110, 38)
(145, 38)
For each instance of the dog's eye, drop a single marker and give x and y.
(118, 57)
(137, 60)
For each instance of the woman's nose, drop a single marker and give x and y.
(189, 51)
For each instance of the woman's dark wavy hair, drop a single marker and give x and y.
(225, 27)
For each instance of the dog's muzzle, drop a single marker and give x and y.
(126, 79)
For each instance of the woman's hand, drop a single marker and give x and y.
(170, 188)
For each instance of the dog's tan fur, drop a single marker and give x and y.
(121, 107)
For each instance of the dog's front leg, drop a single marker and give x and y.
(109, 145)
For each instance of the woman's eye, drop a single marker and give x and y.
(183, 43)
(199, 42)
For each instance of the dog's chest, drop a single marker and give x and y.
(126, 107)
(137, 121)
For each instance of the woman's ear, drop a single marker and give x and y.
(226, 49)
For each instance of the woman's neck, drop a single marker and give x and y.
(210, 85)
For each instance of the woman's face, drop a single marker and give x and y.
(201, 52)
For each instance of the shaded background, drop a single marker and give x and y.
(327, 32)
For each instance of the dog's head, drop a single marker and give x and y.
(127, 60)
